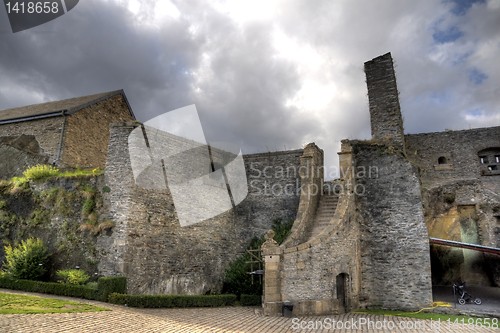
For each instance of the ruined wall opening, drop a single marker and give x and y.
(442, 160)
(489, 160)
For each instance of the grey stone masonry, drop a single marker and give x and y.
(386, 119)
(455, 155)
(46, 131)
(311, 174)
(158, 255)
(18, 154)
(395, 260)
(118, 202)
(317, 274)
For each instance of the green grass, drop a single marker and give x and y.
(44, 172)
(41, 172)
(22, 304)
(80, 173)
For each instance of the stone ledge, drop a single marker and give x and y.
(443, 167)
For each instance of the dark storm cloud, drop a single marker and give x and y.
(89, 51)
(247, 89)
(99, 50)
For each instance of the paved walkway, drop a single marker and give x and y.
(228, 319)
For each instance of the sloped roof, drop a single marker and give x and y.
(56, 108)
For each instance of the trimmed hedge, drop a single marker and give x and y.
(250, 300)
(49, 288)
(112, 289)
(111, 284)
(105, 286)
(172, 301)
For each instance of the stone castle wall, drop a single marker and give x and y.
(46, 131)
(395, 261)
(157, 254)
(461, 199)
(273, 188)
(19, 153)
(460, 152)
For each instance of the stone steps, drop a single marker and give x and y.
(324, 214)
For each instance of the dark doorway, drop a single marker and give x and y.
(342, 282)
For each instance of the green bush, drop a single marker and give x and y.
(40, 171)
(73, 276)
(92, 284)
(172, 301)
(111, 284)
(49, 288)
(28, 260)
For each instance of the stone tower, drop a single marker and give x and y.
(385, 112)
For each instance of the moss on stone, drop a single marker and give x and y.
(52, 210)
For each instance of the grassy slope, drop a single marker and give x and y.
(22, 304)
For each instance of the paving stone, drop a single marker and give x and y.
(214, 320)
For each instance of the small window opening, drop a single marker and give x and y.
(492, 167)
(483, 159)
(497, 158)
(442, 160)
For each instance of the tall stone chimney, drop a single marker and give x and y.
(385, 112)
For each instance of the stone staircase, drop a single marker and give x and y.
(324, 214)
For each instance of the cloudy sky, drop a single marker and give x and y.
(269, 74)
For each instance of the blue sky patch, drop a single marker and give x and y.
(462, 6)
(476, 76)
(449, 35)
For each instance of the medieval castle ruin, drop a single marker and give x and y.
(348, 248)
